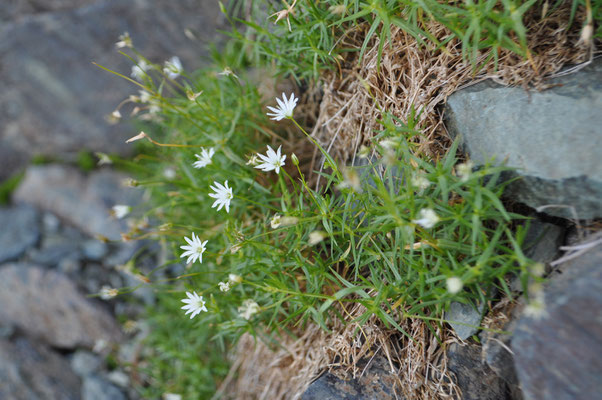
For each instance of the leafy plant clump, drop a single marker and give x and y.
(266, 243)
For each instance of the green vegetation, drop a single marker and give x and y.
(403, 235)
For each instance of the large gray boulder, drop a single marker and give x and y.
(552, 137)
(53, 99)
(45, 304)
(84, 202)
(29, 371)
(557, 355)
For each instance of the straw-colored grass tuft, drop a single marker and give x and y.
(417, 366)
(419, 77)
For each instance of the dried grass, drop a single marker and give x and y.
(418, 366)
(423, 78)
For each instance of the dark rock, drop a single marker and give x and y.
(96, 388)
(47, 305)
(84, 203)
(376, 383)
(94, 250)
(19, 231)
(557, 355)
(497, 353)
(84, 363)
(476, 380)
(464, 318)
(541, 244)
(552, 137)
(46, 67)
(542, 241)
(30, 371)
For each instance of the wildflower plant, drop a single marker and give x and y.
(403, 235)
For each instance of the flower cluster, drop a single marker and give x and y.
(222, 193)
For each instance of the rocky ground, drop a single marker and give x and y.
(56, 341)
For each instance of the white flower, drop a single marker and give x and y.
(428, 218)
(536, 307)
(316, 237)
(145, 96)
(119, 210)
(124, 41)
(228, 72)
(419, 181)
(278, 221)
(107, 292)
(454, 284)
(364, 152)
(272, 161)
(387, 144)
(285, 108)
(195, 250)
(224, 286)
(172, 396)
(253, 160)
(234, 279)
(139, 70)
(204, 159)
(103, 159)
(222, 195)
(169, 173)
(248, 308)
(173, 67)
(275, 222)
(351, 180)
(194, 304)
(464, 170)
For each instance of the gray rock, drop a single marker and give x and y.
(552, 137)
(85, 363)
(12, 10)
(557, 356)
(541, 244)
(464, 318)
(84, 203)
(30, 371)
(123, 253)
(46, 66)
(542, 241)
(94, 250)
(376, 383)
(69, 266)
(53, 249)
(19, 231)
(47, 305)
(119, 378)
(497, 353)
(50, 223)
(6, 330)
(96, 388)
(476, 380)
